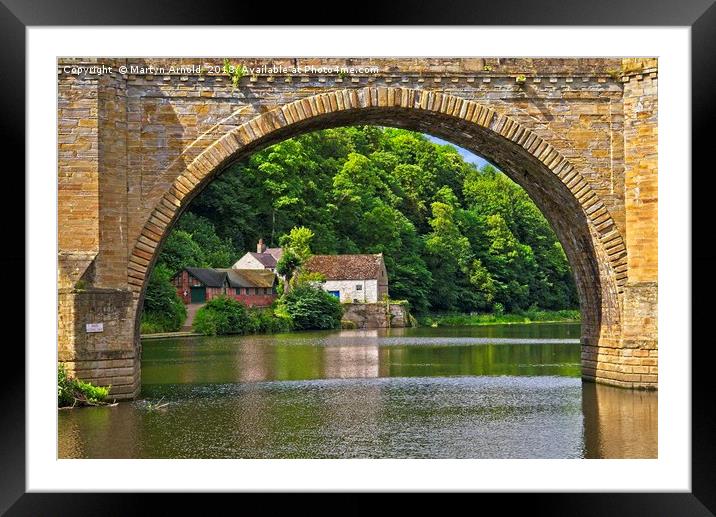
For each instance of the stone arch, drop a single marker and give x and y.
(592, 241)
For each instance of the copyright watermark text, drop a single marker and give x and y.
(218, 70)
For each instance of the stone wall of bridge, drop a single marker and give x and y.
(165, 120)
(138, 143)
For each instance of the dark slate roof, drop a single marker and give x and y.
(266, 259)
(207, 276)
(346, 267)
(249, 277)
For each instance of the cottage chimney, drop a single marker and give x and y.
(260, 247)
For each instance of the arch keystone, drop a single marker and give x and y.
(382, 95)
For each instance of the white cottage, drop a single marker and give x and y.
(264, 258)
(352, 278)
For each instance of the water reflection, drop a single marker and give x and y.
(619, 423)
(363, 354)
(413, 393)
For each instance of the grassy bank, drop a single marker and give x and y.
(529, 316)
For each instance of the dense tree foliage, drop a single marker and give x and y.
(454, 238)
(194, 242)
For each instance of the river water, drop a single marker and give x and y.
(503, 391)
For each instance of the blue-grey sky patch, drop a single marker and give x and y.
(468, 156)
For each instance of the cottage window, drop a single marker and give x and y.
(359, 287)
(256, 290)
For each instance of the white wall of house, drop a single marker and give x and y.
(361, 290)
(248, 262)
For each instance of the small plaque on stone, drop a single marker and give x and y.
(95, 327)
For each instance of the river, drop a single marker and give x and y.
(502, 391)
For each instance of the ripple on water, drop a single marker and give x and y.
(417, 417)
(404, 393)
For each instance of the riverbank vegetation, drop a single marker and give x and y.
(73, 392)
(304, 307)
(225, 315)
(456, 239)
(164, 311)
(528, 316)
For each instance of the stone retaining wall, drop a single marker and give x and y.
(377, 315)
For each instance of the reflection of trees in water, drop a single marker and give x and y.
(354, 354)
(514, 359)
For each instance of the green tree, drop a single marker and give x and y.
(511, 262)
(288, 264)
(483, 285)
(446, 238)
(298, 242)
(448, 252)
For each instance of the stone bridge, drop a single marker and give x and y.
(140, 140)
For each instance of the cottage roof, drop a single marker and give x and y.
(208, 276)
(276, 253)
(346, 267)
(266, 259)
(249, 277)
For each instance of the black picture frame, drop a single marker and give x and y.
(700, 15)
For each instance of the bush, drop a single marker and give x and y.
(311, 308)
(147, 326)
(265, 321)
(225, 315)
(222, 315)
(71, 392)
(65, 393)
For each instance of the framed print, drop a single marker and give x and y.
(290, 259)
